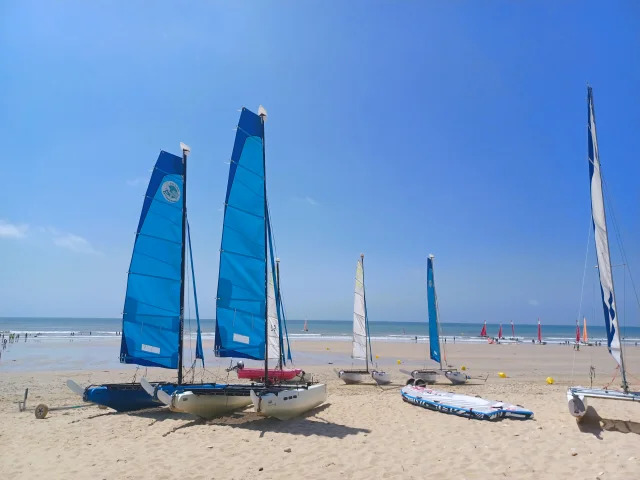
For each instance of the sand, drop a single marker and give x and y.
(363, 432)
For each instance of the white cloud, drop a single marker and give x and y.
(71, 241)
(137, 181)
(10, 230)
(534, 302)
(311, 200)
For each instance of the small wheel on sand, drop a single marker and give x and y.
(41, 411)
(419, 382)
(411, 381)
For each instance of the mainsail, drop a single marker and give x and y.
(539, 332)
(577, 332)
(500, 332)
(483, 332)
(602, 242)
(359, 315)
(151, 317)
(513, 330)
(432, 307)
(242, 279)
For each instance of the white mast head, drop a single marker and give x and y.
(262, 112)
(362, 255)
(186, 149)
(431, 256)
(277, 260)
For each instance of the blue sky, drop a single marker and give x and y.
(396, 129)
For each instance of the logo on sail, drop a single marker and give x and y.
(171, 191)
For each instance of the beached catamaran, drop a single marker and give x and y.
(361, 342)
(576, 396)
(153, 316)
(420, 377)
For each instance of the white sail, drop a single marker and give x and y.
(359, 314)
(273, 338)
(602, 241)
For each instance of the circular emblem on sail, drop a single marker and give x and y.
(171, 191)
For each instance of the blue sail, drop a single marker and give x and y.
(151, 317)
(434, 337)
(199, 352)
(242, 283)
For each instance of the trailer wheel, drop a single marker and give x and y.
(41, 411)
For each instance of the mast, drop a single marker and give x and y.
(601, 233)
(185, 151)
(367, 344)
(263, 118)
(280, 345)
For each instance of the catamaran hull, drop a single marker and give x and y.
(425, 376)
(290, 403)
(207, 406)
(352, 377)
(124, 397)
(381, 378)
(455, 377)
(577, 398)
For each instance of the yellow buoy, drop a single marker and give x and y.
(377, 357)
(550, 380)
(327, 348)
(399, 362)
(463, 368)
(502, 375)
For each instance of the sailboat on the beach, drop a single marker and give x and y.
(576, 396)
(153, 316)
(436, 349)
(540, 342)
(306, 326)
(500, 333)
(361, 342)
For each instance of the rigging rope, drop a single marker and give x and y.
(584, 275)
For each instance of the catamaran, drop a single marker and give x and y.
(483, 332)
(420, 377)
(361, 343)
(153, 316)
(576, 396)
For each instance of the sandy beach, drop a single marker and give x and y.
(362, 432)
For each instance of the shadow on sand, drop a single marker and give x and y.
(307, 425)
(594, 424)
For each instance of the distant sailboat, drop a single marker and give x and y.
(540, 333)
(483, 332)
(361, 342)
(500, 332)
(577, 332)
(306, 327)
(420, 377)
(585, 337)
(576, 396)
(513, 331)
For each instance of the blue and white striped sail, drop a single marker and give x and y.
(151, 318)
(242, 280)
(199, 351)
(432, 305)
(602, 239)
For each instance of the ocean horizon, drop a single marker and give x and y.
(393, 331)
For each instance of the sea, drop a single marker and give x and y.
(320, 330)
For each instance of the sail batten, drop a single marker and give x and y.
(242, 289)
(598, 216)
(151, 315)
(432, 307)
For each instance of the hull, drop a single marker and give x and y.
(207, 406)
(352, 377)
(125, 397)
(289, 403)
(381, 378)
(455, 377)
(275, 375)
(577, 398)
